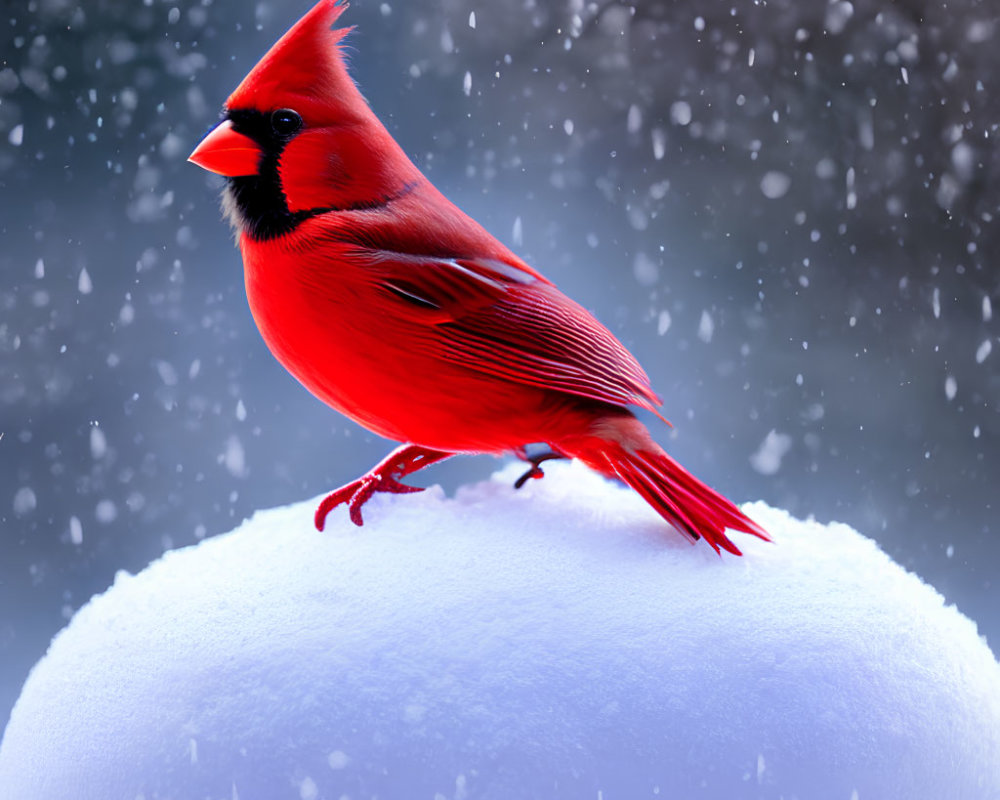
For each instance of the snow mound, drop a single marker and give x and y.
(557, 642)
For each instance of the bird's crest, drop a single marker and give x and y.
(304, 70)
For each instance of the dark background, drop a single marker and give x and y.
(787, 210)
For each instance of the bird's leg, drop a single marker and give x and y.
(383, 477)
(535, 471)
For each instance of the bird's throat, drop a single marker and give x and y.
(256, 206)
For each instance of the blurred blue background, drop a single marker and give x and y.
(785, 210)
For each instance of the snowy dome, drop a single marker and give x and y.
(556, 642)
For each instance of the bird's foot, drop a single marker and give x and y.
(384, 477)
(536, 471)
(357, 493)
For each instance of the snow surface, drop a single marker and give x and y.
(557, 642)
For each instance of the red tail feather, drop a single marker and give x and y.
(626, 451)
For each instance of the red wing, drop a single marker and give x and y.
(503, 320)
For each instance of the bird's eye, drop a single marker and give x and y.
(285, 122)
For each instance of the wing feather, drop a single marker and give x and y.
(506, 320)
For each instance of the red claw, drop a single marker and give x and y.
(383, 477)
(357, 493)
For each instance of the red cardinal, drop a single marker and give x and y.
(394, 307)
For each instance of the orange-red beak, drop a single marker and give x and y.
(226, 152)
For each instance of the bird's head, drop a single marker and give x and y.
(297, 138)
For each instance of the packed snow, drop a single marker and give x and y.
(554, 642)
